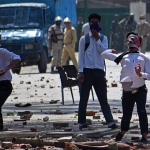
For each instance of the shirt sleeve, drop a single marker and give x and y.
(10, 56)
(74, 37)
(146, 73)
(102, 46)
(49, 32)
(112, 27)
(107, 54)
(83, 28)
(81, 54)
(137, 29)
(148, 28)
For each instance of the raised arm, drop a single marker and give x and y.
(109, 54)
(102, 45)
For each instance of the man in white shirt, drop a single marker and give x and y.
(91, 71)
(8, 60)
(85, 29)
(135, 70)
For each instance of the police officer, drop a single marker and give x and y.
(56, 42)
(115, 32)
(123, 32)
(130, 24)
(69, 43)
(143, 29)
(123, 21)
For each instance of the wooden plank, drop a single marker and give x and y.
(38, 142)
(17, 134)
(90, 133)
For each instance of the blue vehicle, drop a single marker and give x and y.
(24, 31)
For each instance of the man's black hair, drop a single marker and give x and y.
(94, 15)
(129, 33)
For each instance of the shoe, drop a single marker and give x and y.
(143, 141)
(113, 126)
(118, 136)
(81, 126)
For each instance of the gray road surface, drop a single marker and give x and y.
(46, 87)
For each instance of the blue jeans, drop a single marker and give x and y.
(128, 101)
(95, 78)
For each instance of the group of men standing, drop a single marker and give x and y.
(93, 49)
(134, 71)
(62, 43)
(119, 29)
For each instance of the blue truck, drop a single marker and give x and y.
(24, 28)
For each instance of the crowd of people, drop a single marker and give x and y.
(62, 41)
(119, 29)
(93, 50)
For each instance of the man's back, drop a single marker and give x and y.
(70, 35)
(130, 25)
(115, 28)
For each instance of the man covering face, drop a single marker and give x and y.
(133, 41)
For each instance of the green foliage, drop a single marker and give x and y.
(75, 116)
(10, 114)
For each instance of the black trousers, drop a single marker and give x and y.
(5, 91)
(128, 101)
(95, 78)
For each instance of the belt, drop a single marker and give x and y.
(133, 91)
(67, 43)
(59, 41)
(5, 81)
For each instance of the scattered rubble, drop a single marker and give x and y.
(45, 119)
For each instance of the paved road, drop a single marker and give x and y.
(46, 87)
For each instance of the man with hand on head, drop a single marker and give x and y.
(135, 70)
(8, 60)
(92, 71)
